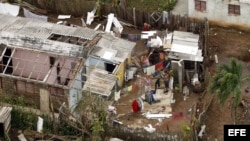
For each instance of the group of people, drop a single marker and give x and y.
(158, 75)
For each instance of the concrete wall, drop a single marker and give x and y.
(217, 10)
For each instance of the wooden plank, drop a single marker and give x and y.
(5, 117)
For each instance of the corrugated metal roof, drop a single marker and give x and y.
(185, 45)
(100, 82)
(34, 34)
(123, 47)
(41, 29)
(185, 36)
(45, 45)
(6, 21)
(85, 33)
(30, 29)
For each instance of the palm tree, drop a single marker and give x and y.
(227, 83)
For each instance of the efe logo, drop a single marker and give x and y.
(241, 132)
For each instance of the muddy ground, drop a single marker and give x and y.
(226, 43)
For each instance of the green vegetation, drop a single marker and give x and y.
(25, 120)
(186, 132)
(227, 83)
(90, 118)
(153, 5)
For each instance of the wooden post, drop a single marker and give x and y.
(206, 36)
(134, 17)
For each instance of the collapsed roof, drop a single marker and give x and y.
(54, 54)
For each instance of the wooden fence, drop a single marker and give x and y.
(156, 19)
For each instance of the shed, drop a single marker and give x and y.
(111, 54)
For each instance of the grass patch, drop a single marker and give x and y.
(152, 5)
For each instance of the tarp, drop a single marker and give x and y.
(31, 15)
(8, 9)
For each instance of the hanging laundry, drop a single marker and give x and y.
(159, 66)
(134, 37)
(125, 89)
(129, 88)
(117, 95)
(150, 70)
(133, 87)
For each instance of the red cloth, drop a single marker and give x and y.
(133, 87)
(146, 27)
(159, 66)
(135, 106)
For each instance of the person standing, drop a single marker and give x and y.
(147, 84)
(159, 74)
(146, 27)
(166, 81)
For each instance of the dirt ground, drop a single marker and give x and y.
(224, 42)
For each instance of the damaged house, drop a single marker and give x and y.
(45, 62)
(107, 63)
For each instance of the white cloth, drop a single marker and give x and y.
(31, 15)
(150, 70)
(117, 95)
(8, 9)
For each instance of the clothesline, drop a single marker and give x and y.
(151, 69)
(130, 88)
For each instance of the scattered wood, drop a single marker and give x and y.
(5, 117)
(21, 137)
(202, 130)
(136, 61)
(216, 59)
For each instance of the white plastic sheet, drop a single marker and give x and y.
(8, 9)
(31, 15)
(40, 124)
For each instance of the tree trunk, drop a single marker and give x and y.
(233, 111)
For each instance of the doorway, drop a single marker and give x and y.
(109, 67)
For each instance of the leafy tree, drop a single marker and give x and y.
(169, 5)
(227, 83)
